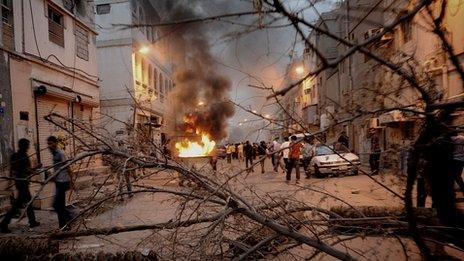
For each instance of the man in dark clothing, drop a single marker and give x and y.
(374, 157)
(62, 181)
(20, 170)
(262, 152)
(248, 151)
(458, 160)
(344, 140)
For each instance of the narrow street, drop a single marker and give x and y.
(148, 209)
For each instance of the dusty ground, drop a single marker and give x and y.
(147, 209)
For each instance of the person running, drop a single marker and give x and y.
(62, 181)
(262, 152)
(285, 151)
(20, 170)
(248, 150)
(294, 159)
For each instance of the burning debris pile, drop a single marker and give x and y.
(199, 103)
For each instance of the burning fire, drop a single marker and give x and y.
(189, 148)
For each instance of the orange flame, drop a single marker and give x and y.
(188, 148)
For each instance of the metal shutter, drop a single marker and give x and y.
(45, 106)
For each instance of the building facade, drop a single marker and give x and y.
(135, 69)
(49, 65)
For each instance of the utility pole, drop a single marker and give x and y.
(6, 110)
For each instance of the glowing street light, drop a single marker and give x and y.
(299, 69)
(267, 116)
(144, 49)
(201, 103)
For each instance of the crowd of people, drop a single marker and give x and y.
(287, 156)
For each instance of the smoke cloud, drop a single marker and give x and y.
(200, 97)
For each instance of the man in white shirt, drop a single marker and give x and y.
(285, 147)
(276, 154)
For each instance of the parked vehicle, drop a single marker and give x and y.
(326, 162)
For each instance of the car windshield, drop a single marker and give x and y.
(323, 150)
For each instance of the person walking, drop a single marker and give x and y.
(285, 151)
(20, 170)
(458, 160)
(344, 140)
(248, 150)
(262, 153)
(62, 181)
(234, 150)
(240, 151)
(294, 159)
(307, 152)
(374, 157)
(276, 154)
(229, 153)
(255, 150)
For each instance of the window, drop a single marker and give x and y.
(144, 73)
(155, 83)
(82, 41)
(7, 24)
(161, 87)
(154, 34)
(134, 11)
(148, 33)
(141, 16)
(103, 9)
(406, 28)
(137, 69)
(55, 26)
(150, 81)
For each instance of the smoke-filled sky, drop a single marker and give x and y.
(239, 50)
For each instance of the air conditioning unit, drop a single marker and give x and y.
(372, 32)
(432, 66)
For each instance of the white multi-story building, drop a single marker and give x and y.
(135, 68)
(48, 66)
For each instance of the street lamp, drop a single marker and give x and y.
(144, 49)
(299, 70)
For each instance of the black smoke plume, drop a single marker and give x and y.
(200, 97)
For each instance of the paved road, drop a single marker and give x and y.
(148, 208)
(145, 209)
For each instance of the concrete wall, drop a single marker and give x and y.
(47, 49)
(38, 61)
(124, 69)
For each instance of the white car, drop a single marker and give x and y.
(326, 162)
